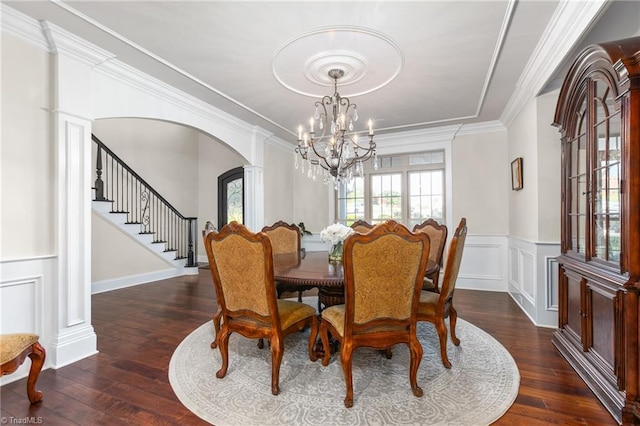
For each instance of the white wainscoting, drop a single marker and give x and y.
(24, 286)
(484, 263)
(533, 279)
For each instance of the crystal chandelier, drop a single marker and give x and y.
(336, 153)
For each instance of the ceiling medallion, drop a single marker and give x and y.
(354, 50)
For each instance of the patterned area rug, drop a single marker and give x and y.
(477, 390)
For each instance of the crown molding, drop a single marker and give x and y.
(65, 43)
(54, 39)
(568, 25)
(22, 26)
(280, 144)
(484, 127)
(141, 81)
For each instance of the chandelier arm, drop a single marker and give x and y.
(335, 149)
(371, 147)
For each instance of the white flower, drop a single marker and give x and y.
(335, 233)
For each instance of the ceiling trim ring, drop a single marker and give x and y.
(370, 60)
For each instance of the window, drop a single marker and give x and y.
(408, 188)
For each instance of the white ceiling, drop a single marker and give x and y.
(409, 65)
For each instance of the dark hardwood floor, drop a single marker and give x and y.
(138, 329)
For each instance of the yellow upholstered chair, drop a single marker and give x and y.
(438, 236)
(208, 228)
(436, 307)
(242, 269)
(285, 238)
(14, 348)
(383, 272)
(361, 226)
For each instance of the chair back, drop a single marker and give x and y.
(438, 237)
(242, 268)
(383, 276)
(208, 227)
(361, 226)
(284, 238)
(454, 258)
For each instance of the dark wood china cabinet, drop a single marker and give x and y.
(598, 113)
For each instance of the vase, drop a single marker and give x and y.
(335, 254)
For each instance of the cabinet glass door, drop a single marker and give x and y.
(605, 227)
(577, 183)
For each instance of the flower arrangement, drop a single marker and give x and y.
(335, 233)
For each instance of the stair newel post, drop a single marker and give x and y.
(192, 226)
(99, 184)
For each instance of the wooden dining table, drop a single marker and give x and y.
(313, 269)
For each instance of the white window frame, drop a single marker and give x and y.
(412, 142)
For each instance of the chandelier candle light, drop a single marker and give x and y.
(336, 152)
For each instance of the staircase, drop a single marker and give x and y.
(125, 200)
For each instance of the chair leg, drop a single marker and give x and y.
(453, 317)
(37, 356)
(346, 356)
(435, 278)
(416, 356)
(260, 343)
(442, 335)
(216, 326)
(223, 345)
(312, 339)
(388, 354)
(277, 349)
(300, 296)
(324, 338)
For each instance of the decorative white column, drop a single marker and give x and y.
(254, 181)
(254, 197)
(70, 311)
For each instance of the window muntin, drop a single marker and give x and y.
(351, 201)
(426, 196)
(386, 197)
(409, 188)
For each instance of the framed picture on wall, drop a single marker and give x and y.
(516, 174)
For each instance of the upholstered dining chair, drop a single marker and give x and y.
(436, 307)
(242, 270)
(383, 272)
(361, 226)
(208, 228)
(14, 349)
(285, 238)
(438, 236)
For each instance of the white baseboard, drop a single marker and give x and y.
(133, 280)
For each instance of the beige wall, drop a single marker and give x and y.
(534, 212)
(182, 164)
(214, 158)
(115, 255)
(278, 172)
(548, 173)
(27, 187)
(162, 153)
(523, 204)
(311, 202)
(481, 182)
